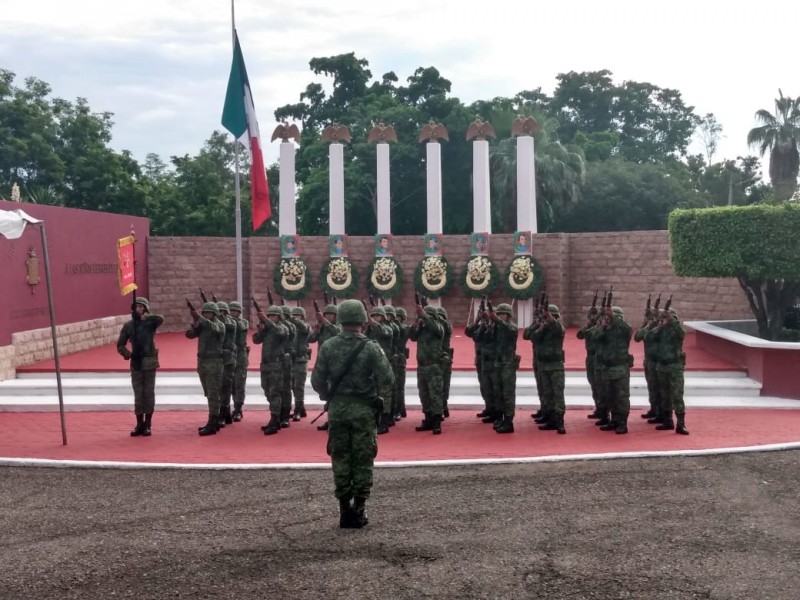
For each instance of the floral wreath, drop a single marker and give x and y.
(523, 277)
(433, 276)
(480, 277)
(384, 277)
(338, 277)
(291, 278)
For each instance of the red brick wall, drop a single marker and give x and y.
(635, 263)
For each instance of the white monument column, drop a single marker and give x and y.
(384, 201)
(481, 199)
(434, 186)
(336, 188)
(287, 191)
(526, 203)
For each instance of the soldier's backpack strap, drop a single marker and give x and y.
(351, 358)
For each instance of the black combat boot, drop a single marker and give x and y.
(237, 414)
(649, 414)
(427, 423)
(498, 421)
(594, 415)
(622, 425)
(220, 419)
(303, 414)
(507, 426)
(544, 417)
(273, 427)
(296, 414)
(359, 518)
(484, 413)
(346, 514)
(667, 424)
(610, 426)
(550, 423)
(657, 418)
(436, 425)
(148, 421)
(491, 417)
(537, 414)
(383, 424)
(681, 426)
(603, 421)
(225, 411)
(560, 424)
(446, 411)
(390, 419)
(211, 427)
(323, 427)
(139, 429)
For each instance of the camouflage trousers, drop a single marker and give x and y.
(670, 389)
(504, 382)
(399, 389)
(299, 375)
(210, 371)
(486, 379)
(286, 390)
(352, 446)
(591, 377)
(552, 384)
(447, 374)
(486, 394)
(239, 382)
(651, 378)
(144, 391)
(272, 384)
(615, 392)
(226, 386)
(429, 382)
(538, 380)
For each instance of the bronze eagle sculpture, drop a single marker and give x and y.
(523, 125)
(382, 133)
(336, 132)
(285, 131)
(480, 130)
(432, 132)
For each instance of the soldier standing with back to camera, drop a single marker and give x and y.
(210, 334)
(140, 331)
(242, 361)
(301, 352)
(348, 373)
(272, 335)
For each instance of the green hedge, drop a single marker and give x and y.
(760, 241)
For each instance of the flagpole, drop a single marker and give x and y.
(238, 210)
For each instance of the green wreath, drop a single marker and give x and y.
(522, 278)
(339, 277)
(479, 277)
(384, 277)
(433, 277)
(291, 279)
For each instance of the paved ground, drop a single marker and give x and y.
(723, 527)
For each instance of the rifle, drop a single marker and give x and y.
(283, 300)
(203, 295)
(316, 306)
(610, 296)
(255, 305)
(334, 301)
(190, 305)
(658, 301)
(325, 297)
(269, 296)
(604, 303)
(424, 301)
(383, 301)
(649, 298)
(371, 301)
(594, 300)
(416, 298)
(669, 303)
(489, 306)
(213, 297)
(482, 307)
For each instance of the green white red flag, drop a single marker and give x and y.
(239, 117)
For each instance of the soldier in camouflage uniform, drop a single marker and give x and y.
(487, 337)
(229, 352)
(210, 334)
(140, 331)
(649, 322)
(613, 336)
(324, 329)
(300, 355)
(391, 321)
(399, 365)
(670, 362)
(447, 358)
(349, 383)
(272, 336)
(591, 366)
(506, 364)
(242, 360)
(382, 333)
(472, 331)
(427, 332)
(548, 336)
(286, 383)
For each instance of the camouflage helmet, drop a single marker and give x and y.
(673, 312)
(553, 310)
(235, 306)
(299, 311)
(440, 310)
(286, 311)
(504, 309)
(275, 310)
(377, 310)
(222, 306)
(617, 311)
(389, 310)
(210, 307)
(401, 312)
(351, 312)
(330, 308)
(142, 301)
(430, 310)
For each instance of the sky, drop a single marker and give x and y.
(161, 66)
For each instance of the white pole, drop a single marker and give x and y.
(526, 208)
(481, 202)
(434, 186)
(287, 225)
(384, 201)
(336, 188)
(238, 209)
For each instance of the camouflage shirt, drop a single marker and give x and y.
(369, 373)
(210, 333)
(272, 337)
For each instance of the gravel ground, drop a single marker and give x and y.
(677, 528)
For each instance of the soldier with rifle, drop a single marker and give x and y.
(400, 359)
(229, 352)
(427, 332)
(486, 336)
(504, 376)
(324, 329)
(548, 337)
(272, 336)
(288, 359)
(382, 333)
(472, 331)
(447, 358)
(585, 334)
(301, 353)
(242, 360)
(541, 415)
(651, 316)
(209, 332)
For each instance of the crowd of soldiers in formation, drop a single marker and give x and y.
(285, 337)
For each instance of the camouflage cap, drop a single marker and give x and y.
(235, 306)
(553, 309)
(210, 307)
(377, 310)
(330, 308)
(299, 311)
(441, 311)
(389, 310)
(222, 306)
(401, 312)
(617, 311)
(275, 310)
(141, 300)
(286, 310)
(431, 310)
(504, 309)
(351, 312)
(673, 312)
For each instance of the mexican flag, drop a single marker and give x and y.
(239, 117)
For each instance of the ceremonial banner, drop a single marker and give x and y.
(126, 270)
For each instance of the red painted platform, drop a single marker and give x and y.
(104, 436)
(177, 353)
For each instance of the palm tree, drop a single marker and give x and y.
(780, 134)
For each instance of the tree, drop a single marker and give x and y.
(758, 245)
(780, 134)
(709, 130)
